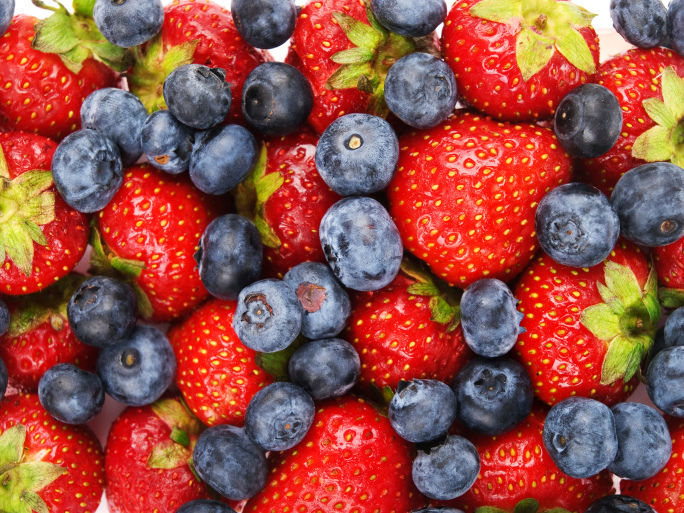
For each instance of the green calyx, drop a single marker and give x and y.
(20, 480)
(524, 506)
(543, 27)
(671, 298)
(276, 363)
(626, 320)
(176, 451)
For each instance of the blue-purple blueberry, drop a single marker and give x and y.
(665, 381)
(675, 25)
(619, 504)
(4, 379)
(6, 15)
(264, 23)
(166, 142)
(128, 23)
(205, 506)
(70, 394)
(4, 318)
(408, 17)
(673, 331)
(642, 23)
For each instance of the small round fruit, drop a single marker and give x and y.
(128, 23)
(70, 394)
(264, 23)
(408, 17)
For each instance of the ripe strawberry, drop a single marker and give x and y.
(351, 460)
(669, 264)
(59, 468)
(41, 237)
(217, 375)
(516, 60)
(587, 329)
(466, 192)
(287, 198)
(150, 232)
(636, 77)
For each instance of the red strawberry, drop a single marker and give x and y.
(39, 336)
(48, 465)
(636, 78)
(217, 375)
(669, 264)
(351, 460)
(286, 198)
(42, 238)
(150, 232)
(516, 60)
(147, 459)
(466, 193)
(587, 329)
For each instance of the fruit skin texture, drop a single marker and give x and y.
(669, 264)
(46, 92)
(347, 444)
(471, 213)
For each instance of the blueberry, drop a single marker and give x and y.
(588, 121)
(268, 316)
(422, 410)
(675, 25)
(87, 170)
(649, 201)
(489, 318)
(205, 506)
(279, 416)
(264, 23)
(325, 303)
(420, 89)
(138, 369)
(166, 142)
(325, 368)
(579, 434)
(222, 157)
(494, 395)
(665, 381)
(276, 98)
(228, 461)
(644, 441)
(408, 17)
(437, 510)
(102, 311)
(128, 23)
(4, 379)
(619, 504)
(576, 225)
(229, 256)
(673, 332)
(70, 394)
(642, 23)
(198, 96)
(118, 115)
(4, 318)
(659, 342)
(6, 15)
(361, 243)
(448, 470)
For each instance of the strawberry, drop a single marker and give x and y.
(149, 233)
(351, 460)
(40, 337)
(147, 459)
(516, 60)
(466, 192)
(217, 375)
(669, 264)
(287, 198)
(587, 329)
(41, 237)
(47, 465)
(665, 490)
(651, 119)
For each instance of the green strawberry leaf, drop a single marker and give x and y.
(638, 353)
(36, 475)
(489, 509)
(128, 267)
(601, 321)
(498, 11)
(527, 506)
(653, 307)
(54, 34)
(145, 308)
(353, 56)
(533, 52)
(178, 419)
(442, 311)
(572, 45)
(276, 363)
(34, 501)
(623, 283)
(348, 76)
(168, 455)
(609, 298)
(660, 113)
(557, 510)
(654, 145)
(84, 7)
(617, 360)
(423, 289)
(358, 32)
(12, 445)
(576, 16)
(671, 298)
(179, 55)
(673, 93)
(374, 21)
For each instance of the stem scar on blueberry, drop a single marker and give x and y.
(130, 358)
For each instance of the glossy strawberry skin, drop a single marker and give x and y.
(669, 263)
(465, 195)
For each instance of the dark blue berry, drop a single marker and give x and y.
(128, 23)
(408, 17)
(422, 410)
(494, 395)
(659, 342)
(102, 311)
(673, 331)
(642, 23)
(70, 394)
(579, 434)
(448, 470)
(228, 461)
(198, 96)
(437, 510)
(665, 381)
(6, 15)
(325, 368)
(279, 416)
(268, 316)
(649, 200)
(276, 98)
(576, 225)
(166, 142)
(357, 154)
(420, 89)
(205, 506)
(361, 243)
(222, 157)
(264, 23)
(4, 379)
(489, 318)
(87, 170)
(325, 302)
(644, 441)
(4, 318)
(675, 25)
(138, 369)
(619, 504)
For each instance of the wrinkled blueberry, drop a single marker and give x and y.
(166, 142)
